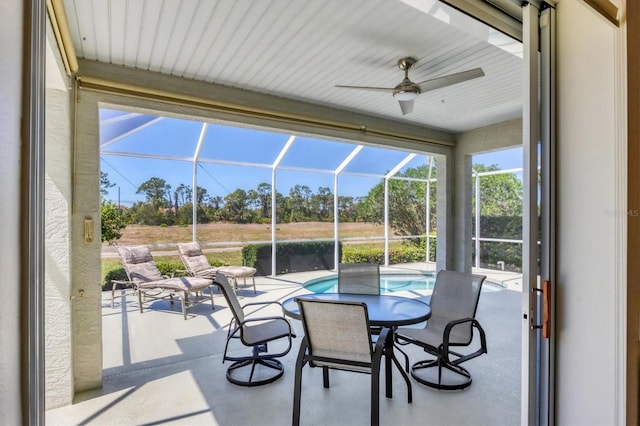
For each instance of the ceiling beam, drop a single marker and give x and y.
(222, 103)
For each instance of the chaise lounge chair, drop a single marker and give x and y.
(197, 265)
(147, 280)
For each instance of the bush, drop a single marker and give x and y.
(291, 257)
(406, 254)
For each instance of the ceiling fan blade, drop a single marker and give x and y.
(377, 89)
(450, 79)
(406, 106)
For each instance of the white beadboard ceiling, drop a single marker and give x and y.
(301, 49)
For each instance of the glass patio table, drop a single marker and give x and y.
(384, 311)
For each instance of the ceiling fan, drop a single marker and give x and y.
(407, 90)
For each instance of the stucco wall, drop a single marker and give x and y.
(85, 256)
(588, 238)
(10, 104)
(59, 377)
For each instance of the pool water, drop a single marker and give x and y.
(389, 283)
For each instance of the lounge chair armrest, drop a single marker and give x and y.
(122, 282)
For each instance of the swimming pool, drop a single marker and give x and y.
(389, 283)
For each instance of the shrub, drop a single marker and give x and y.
(291, 257)
(405, 254)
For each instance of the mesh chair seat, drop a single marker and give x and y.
(253, 334)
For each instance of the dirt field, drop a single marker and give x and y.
(227, 232)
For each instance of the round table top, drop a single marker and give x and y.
(384, 310)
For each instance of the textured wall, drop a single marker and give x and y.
(85, 256)
(10, 104)
(59, 377)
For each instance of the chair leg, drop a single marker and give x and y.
(254, 284)
(211, 294)
(185, 300)
(297, 387)
(140, 299)
(375, 398)
(325, 377)
(436, 379)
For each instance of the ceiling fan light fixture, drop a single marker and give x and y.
(405, 95)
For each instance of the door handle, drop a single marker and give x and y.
(546, 309)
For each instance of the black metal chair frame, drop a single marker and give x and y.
(259, 348)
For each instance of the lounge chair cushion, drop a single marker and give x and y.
(237, 271)
(178, 283)
(139, 264)
(195, 260)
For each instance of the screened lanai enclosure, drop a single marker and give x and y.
(164, 164)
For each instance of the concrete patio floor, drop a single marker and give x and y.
(160, 369)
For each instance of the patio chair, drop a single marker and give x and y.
(337, 336)
(149, 283)
(359, 278)
(453, 308)
(256, 332)
(197, 265)
(363, 278)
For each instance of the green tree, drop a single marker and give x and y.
(322, 203)
(235, 206)
(157, 191)
(500, 194)
(105, 184)
(112, 221)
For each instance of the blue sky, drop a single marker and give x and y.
(179, 138)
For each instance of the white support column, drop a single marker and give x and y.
(445, 252)
(194, 189)
(428, 212)
(477, 227)
(336, 210)
(386, 221)
(274, 166)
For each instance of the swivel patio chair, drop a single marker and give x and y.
(359, 278)
(453, 307)
(338, 336)
(149, 283)
(197, 265)
(260, 367)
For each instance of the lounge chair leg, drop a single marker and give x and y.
(185, 300)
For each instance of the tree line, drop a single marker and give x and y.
(163, 205)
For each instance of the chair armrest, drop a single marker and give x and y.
(474, 324)
(275, 302)
(246, 320)
(123, 282)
